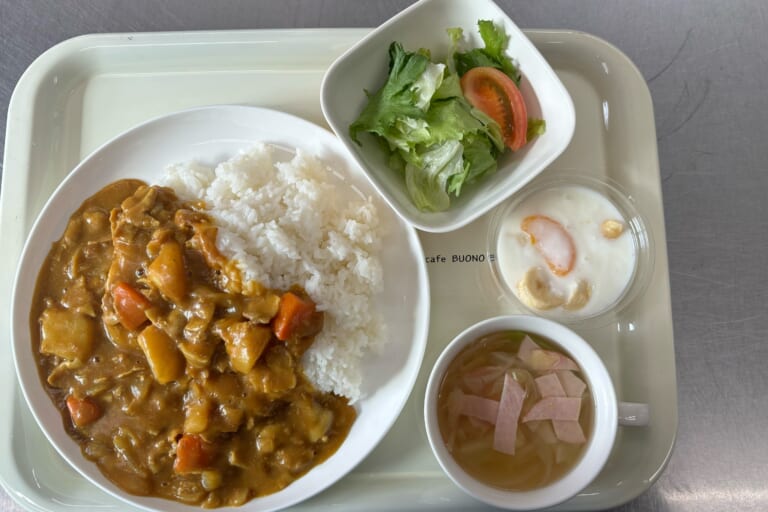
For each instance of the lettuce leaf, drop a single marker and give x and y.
(426, 183)
(394, 106)
(492, 55)
(536, 127)
(451, 119)
(480, 156)
(425, 86)
(435, 138)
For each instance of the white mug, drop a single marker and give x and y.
(608, 413)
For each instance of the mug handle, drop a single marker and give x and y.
(633, 414)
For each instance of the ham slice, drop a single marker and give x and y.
(527, 346)
(569, 431)
(478, 407)
(544, 360)
(572, 385)
(510, 405)
(555, 408)
(454, 411)
(549, 385)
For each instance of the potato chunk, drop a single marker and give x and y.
(197, 416)
(261, 309)
(168, 273)
(315, 419)
(67, 334)
(165, 360)
(244, 342)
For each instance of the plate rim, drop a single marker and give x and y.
(29, 381)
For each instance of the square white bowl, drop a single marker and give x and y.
(423, 25)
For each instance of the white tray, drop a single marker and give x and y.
(85, 90)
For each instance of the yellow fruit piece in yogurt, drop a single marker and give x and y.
(579, 296)
(535, 290)
(612, 228)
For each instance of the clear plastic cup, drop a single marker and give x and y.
(508, 278)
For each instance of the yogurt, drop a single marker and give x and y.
(578, 219)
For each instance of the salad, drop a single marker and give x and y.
(445, 124)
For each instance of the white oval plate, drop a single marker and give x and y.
(210, 135)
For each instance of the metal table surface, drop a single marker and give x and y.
(705, 62)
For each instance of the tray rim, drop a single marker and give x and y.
(17, 140)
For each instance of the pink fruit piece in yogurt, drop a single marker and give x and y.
(552, 241)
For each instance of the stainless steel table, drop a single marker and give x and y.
(706, 65)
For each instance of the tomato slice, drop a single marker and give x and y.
(495, 94)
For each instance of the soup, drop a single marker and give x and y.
(514, 411)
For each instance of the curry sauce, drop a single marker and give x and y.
(177, 377)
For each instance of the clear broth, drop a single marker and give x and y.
(536, 463)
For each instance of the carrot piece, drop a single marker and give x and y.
(83, 411)
(293, 314)
(193, 454)
(129, 305)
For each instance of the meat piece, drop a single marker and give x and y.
(549, 385)
(479, 407)
(527, 346)
(544, 360)
(555, 408)
(510, 405)
(572, 385)
(569, 431)
(453, 405)
(132, 226)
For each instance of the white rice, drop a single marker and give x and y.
(287, 223)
